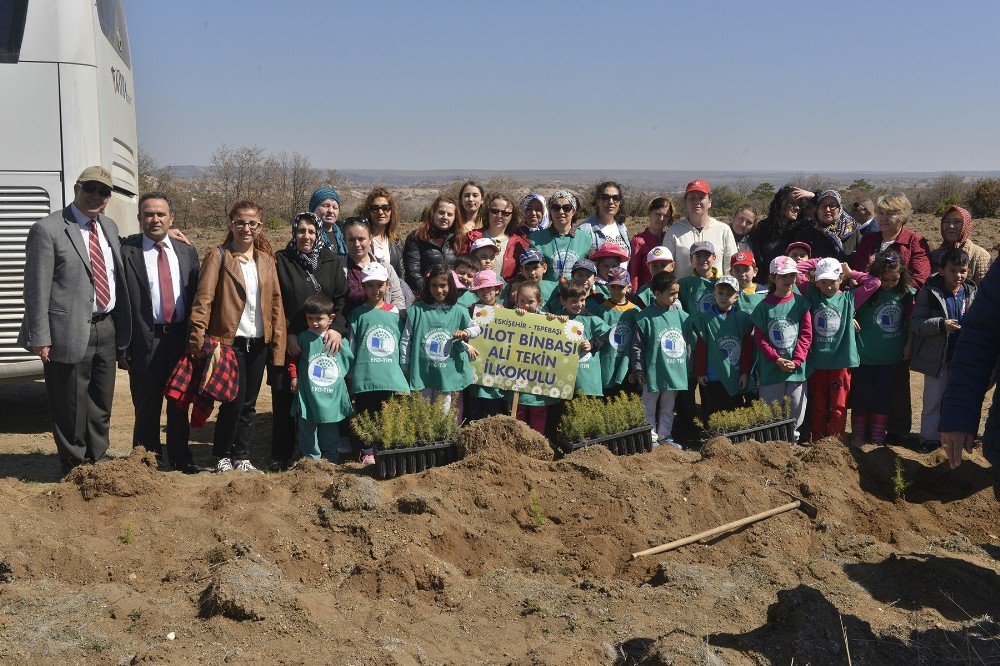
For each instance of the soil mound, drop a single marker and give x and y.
(506, 558)
(128, 477)
(503, 431)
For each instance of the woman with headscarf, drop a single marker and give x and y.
(325, 204)
(823, 234)
(956, 232)
(534, 214)
(306, 266)
(563, 243)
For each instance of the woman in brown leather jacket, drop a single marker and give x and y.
(239, 304)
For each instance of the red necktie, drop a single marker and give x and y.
(100, 270)
(166, 284)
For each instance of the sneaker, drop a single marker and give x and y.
(224, 465)
(244, 466)
(929, 445)
(670, 442)
(367, 460)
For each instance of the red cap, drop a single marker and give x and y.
(698, 186)
(800, 245)
(609, 250)
(743, 258)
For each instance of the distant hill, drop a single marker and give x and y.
(665, 179)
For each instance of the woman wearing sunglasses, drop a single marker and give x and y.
(563, 243)
(604, 225)
(238, 304)
(502, 223)
(383, 216)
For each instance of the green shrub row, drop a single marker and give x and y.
(757, 413)
(404, 421)
(589, 417)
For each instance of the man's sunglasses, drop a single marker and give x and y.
(90, 188)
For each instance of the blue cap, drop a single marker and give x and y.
(585, 264)
(531, 256)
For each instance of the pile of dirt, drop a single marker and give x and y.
(503, 431)
(504, 557)
(126, 477)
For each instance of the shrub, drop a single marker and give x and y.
(589, 417)
(985, 198)
(757, 413)
(404, 421)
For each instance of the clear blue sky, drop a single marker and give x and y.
(888, 86)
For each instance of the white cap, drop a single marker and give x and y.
(828, 269)
(484, 242)
(374, 271)
(659, 253)
(782, 265)
(730, 281)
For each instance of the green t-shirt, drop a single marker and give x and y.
(780, 323)
(696, 294)
(561, 252)
(666, 338)
(376, 338)
(322, 395)
(588, 374)
(883, 328)
(435, 359)
(834, 343)
(645, 296)
(749, 302)
(614, 355)
(467, 298)
(723, 337)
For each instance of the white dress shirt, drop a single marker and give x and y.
(251, 323)
(109, 259)
(150, 256)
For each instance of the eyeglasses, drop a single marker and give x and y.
(385, 208)
(246, 224)
(498, 211)
(565, 208)
(831, 206)
(90, 188)
(535, 209)
(610, 197)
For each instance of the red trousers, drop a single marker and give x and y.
(828, 391)
(535, 417)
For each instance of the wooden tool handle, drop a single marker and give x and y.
(718, 530)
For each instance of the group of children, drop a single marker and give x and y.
(818, 333)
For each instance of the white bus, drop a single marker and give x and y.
(66, 80)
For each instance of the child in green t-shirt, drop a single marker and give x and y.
(783, 335)
(606, 257)
(743, 267)
(591, 333)
(657, 260)
(434, 348)
(584, 274)
(482, 401)
(532, 409)
(466, 267)
(318, 379)
(882, 335)
(619, 314)
(696, 294)
(533, 269)
(376, 338)
(660, 356)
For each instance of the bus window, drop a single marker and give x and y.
(112, 16)
(12, 13)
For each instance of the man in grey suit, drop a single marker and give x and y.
(162, 277)
(77, 316)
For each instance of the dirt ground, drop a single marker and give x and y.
(500, 558)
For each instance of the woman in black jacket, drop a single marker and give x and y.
(305, 266)
(772, 235)
(439, 240)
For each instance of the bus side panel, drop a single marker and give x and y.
(29, 117)
(58, 31)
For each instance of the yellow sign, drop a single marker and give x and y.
(526, 353)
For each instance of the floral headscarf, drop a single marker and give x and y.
(310, 260)
(966, 225)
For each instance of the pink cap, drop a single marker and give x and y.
(485, 279)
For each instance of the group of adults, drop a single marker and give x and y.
(95, 300)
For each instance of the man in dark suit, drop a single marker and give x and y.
(77, 316)
(162, 277)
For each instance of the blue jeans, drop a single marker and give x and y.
(319, 440)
